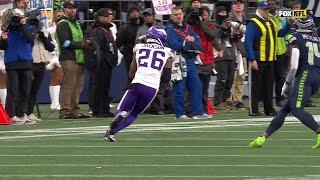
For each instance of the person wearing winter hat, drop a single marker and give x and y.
(195, 4)
(101, 71)
(71, 44)
(127, 33)
(208, 33)
(221, 14)
(225, 65)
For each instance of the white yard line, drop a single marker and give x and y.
(262, 120)
(143, 127)
(127, 130)
(158, 155)
(128, 176)
(161, 165)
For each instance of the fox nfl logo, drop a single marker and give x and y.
(293, 13)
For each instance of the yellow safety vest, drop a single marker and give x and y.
(267, 42)
(281, 47)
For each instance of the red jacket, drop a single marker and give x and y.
(206, 42)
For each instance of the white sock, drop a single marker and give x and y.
(3, 96)
(54, 94)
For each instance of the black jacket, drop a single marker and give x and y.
(64, 33)
(102, 35)
(126, 38)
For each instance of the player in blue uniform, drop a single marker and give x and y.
(303, 79)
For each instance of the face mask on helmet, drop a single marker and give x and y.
(305, 25)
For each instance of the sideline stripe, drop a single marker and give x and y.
(115, 146)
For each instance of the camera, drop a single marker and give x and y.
(237, 26)
(194, 17)
(32, 17)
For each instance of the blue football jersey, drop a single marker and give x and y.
(309, 47)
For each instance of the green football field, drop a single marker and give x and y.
(158, 147)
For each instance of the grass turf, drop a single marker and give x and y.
(157, 147)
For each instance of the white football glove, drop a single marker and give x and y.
(53, 64)
(2, 67)
(285, 89)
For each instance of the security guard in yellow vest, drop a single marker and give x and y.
(282, 62)
(260, 43)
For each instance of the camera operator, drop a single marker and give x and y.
(43, 45)
(238, 21)
(17, 44)
(71, 44)
(208, 33)
(22, 5)
(225, 65)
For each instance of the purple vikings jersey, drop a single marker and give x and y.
(151, 59)
(309, 47)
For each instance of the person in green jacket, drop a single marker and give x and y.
(71, 45)
(282, 62)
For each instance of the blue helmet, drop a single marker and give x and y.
(305, 25)
(157, 35)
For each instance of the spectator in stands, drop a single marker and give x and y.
(208, 33)
(225, 65)
(237, 15)
(71, 44)
(260, 46)
(114, 28)
(195, 6)
(102, 35)
(183, 39)
(295, 5)
(127, 34)
(149, 21)
(42, 47)
(282, 62)
(17, 44)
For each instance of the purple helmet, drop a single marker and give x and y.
(158, 34)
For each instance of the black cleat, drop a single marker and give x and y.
(256, 114)
(109, 137)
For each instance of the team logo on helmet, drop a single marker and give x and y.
(157, 35)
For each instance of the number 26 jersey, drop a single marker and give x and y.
(151, 59)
